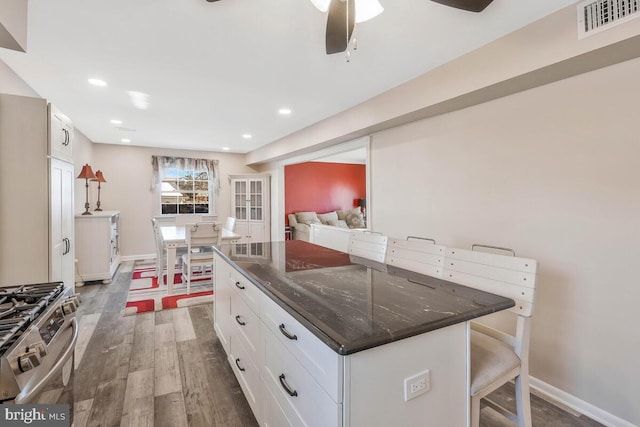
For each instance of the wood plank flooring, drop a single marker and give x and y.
(152, 369)
(168, 369)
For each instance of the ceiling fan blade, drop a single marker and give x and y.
(470, 5)
(337, 38)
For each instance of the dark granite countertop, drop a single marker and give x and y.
(353, 304)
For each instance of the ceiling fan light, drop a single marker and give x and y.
(366, 9)
(321, 5)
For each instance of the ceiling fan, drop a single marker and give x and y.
(343, 14)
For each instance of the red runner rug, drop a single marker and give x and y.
(146, 294)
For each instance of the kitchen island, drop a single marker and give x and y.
(319, 338)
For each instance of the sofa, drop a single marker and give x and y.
(300, 222)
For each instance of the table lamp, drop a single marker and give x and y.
(100, 178)
(86, 173)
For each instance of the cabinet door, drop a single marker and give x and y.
(222, 301)
(255, 200)
(240, 196)
(250, 205)
(61, 254)
(60, 135)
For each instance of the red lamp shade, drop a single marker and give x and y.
(99, 177)
(86, 172)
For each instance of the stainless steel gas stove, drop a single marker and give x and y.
(38, 334)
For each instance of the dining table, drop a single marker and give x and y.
(174, 237)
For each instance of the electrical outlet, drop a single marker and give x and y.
(416, 385)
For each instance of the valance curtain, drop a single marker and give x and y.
(160, 164)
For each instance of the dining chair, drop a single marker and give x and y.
(498, 357)
(369, 245)
(198, 237)
(184, 219)
(230, 223)
(418, 254)
(160, 255)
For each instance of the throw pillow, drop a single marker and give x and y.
(306, 217)
(343, 214)
(355, 220)
(338, 223)
(326, 217)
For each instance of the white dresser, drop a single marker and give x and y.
(97, 245)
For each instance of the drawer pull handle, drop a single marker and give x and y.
(286, 387)
(240, 367)
(286, 333)
(239, 286)
(240, 322)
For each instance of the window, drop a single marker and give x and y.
(185, 186)
(184, 192)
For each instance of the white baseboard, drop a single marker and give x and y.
(138, 257)
(578, 405)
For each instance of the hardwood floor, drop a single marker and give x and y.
(153, 369)
(168, 369)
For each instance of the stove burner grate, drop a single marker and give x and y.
(20, 306)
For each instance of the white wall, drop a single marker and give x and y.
(553, 173)
(127, 170)
(544, 51)
(13, 84)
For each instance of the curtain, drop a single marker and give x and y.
(160, 164)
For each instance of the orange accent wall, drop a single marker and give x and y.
(323, 187)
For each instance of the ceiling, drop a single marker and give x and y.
(212, 72)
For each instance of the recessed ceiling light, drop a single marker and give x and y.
(246, 136)
(225, 148)
(116, 121)
(97, 82)
(284, 111)
(125, 140)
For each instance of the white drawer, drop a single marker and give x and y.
(222, 314)
(246, 325)
(222, 269)
(249, 292)
(272, 413)
(300, 397)
(222, 303)
(324, 364)
(247, 374)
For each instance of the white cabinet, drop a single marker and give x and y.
(250, 204)
(292, 378)
(283, 378)
(97, 245)
(61, 261)
(36, 210)
(237, 324)
(60, 134)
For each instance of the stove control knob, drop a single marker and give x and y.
(68, 307)
(27, 361)
(41, 347)
(77, 297)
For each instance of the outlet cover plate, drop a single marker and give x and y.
(416, 385)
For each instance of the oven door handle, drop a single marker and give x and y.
(26, 395)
